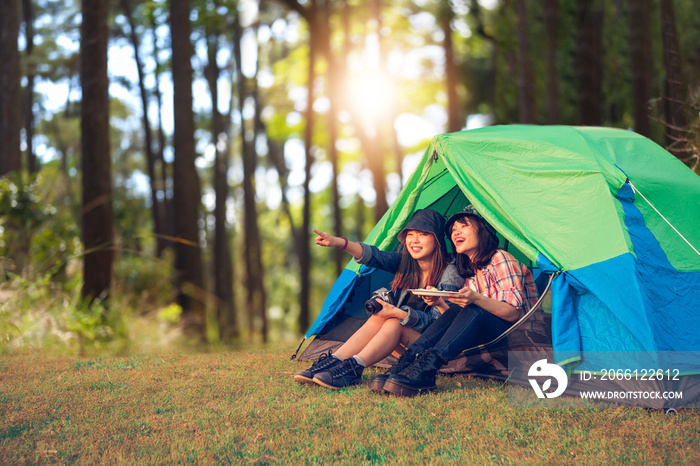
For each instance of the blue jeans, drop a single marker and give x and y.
(459, 328)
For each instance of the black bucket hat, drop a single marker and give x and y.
(429, 221)
(469, 210)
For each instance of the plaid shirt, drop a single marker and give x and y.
(508, 280)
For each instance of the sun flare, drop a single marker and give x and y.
(370, 95)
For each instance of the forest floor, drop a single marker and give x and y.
(244, 408)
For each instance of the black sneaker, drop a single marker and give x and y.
(406, 359)
(417, 378)
(343, 375)
(324, 363)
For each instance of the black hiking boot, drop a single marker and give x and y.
(417, 378)
(408, 356)
(349, 372)
(324, 363)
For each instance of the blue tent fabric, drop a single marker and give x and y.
(565, 327)
(616, 304)
(611, 308)
(335, 299)
(662, 286)
(348, 294)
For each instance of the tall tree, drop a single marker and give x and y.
(28, 14)
(373, 135)
(10, 108)
(223, 266)
(674, 92)
(387, 126)
(445, 17)
(156, 205)
(526, 86)
(640, 57)
(167, 211)
(551, 27)
(480, 28)
(97, 216)
(255, 287)
(589, 69)
(187, 194)
(304, 238)
(311, 14)
(333, 76)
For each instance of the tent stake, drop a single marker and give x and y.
(294, 356)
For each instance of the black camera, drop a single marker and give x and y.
(372, 306)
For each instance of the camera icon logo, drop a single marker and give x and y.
(542, 368)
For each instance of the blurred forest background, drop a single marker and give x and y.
(163, 162)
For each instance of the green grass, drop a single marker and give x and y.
(244, 408)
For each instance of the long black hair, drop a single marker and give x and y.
(408, 275)
(486, 247)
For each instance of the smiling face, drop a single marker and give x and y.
(420, 244)
(465, 236)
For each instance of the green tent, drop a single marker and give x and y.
(611, 214)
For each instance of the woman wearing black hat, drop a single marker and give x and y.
(498, 291)
(422, 261)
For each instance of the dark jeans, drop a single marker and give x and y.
(459, 328)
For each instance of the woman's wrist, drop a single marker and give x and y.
(344, 243)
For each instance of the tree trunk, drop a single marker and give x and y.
(156, 207)
(28, 12)
(526, 87)
(675, 97)
(10, 107)
(162, 185)
(333, 74)
(97, 217)
(589, 63)
(391, 112)
(640, 57)
(445, 17)
(551, 27)
(480, 29)
(223, 267)
(375, 148)
(188, 259)
(255, 291)
(259, 278)
(304, 251)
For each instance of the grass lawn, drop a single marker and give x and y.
(244, 408)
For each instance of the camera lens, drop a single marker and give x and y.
(372, 306)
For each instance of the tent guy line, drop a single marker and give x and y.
(662, 216)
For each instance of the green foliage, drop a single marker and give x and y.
(93, 323)
(42, 312)
(143, 281)
(37, 314)
(169, 314)
(20, 200)
(22, 212)
(33, 226)
(55, 245)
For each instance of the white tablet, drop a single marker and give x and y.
(424, 292)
